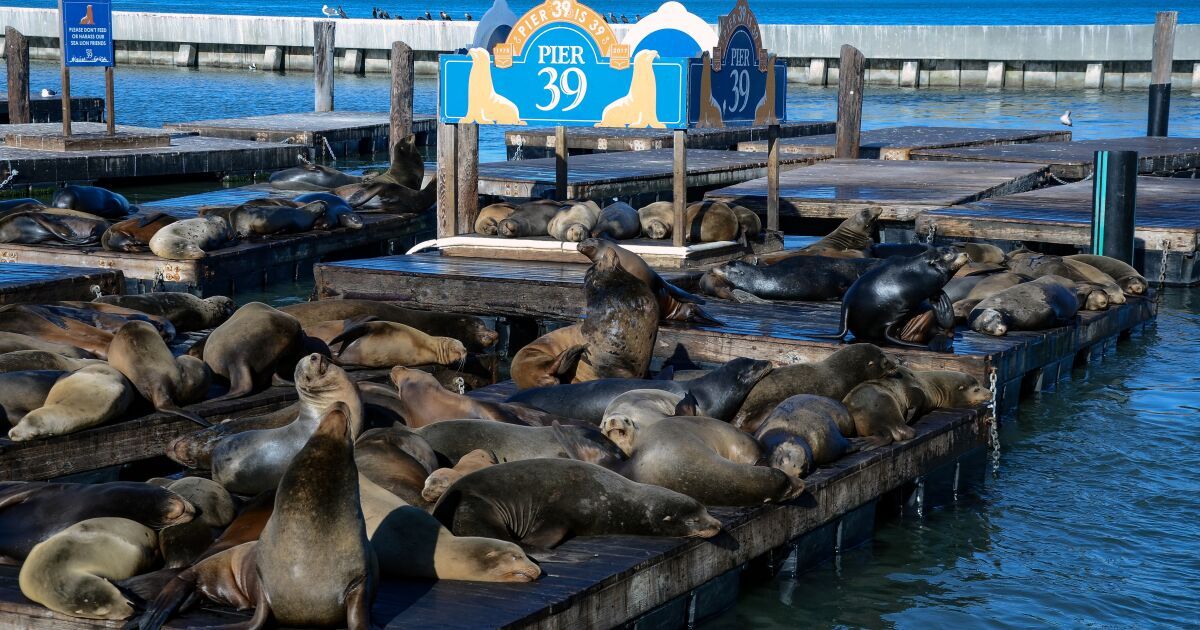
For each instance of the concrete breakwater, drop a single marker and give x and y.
(1065, 57)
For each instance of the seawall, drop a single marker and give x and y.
(1065, 57)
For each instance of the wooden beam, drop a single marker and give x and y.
(16, 50)
(447, 180)
(402, 94)
(773, 178)
(110, 113)
(1164, 46)
(560, 163)
(467, 165)
(679, 181)
(323, 63)
(849, 107)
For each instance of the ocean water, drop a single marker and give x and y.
(768, 11)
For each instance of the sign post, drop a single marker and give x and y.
(85, 35)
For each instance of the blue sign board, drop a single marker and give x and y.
(562, 65)
(87, 38)
(741, 83)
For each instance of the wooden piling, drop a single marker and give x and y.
(849, 108)
(447, 180)
(560, 163)
(110, 113)
(1160, 73)
(323, 63)
(402, 93)
(773, 178)
(467, 193)
(679, 181)
(16, 50)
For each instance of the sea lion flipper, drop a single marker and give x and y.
(696, 315)
(241, 383)
(565, 363)
(845, 325)
(894, 339)
(682, 296)
(169, 601)
(145, 220)
(745, 297)
(688, 406)
(358, 604)
(581, 450)
(349, 335)
(943, 308)
(182, 413)
(16, 498)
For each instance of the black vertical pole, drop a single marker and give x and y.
(1114, 193)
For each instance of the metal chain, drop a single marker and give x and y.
(994, 423)
(517, 155)
(1162, 271)
(303, 160)
(11, 175)
(329, 148)
(930, 232)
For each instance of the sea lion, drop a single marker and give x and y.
(397, 459)
(454, 439)
(310, 176)
(1124, 275)
(896, 290)
(718, 394)
(194, 450)
(69, 572)
(106, 317)
(90, 396)
(253, 461)
(181, 545)
(337, 213)
(31, 228)
(575, 223)
(249, 347)
(25, 204)
(406, 167)
(30, 321)
(425, 401)
(550, 359)
(674, 304)
(711, 221)
(796, 278)
(531, 218)
(249, 220)
(849, 239)
(621, 323)
(490, 217)
(15, 342)
(982, 253)
(1037, 265)
(748, 221)
(1037, 305)
(470, 330)
(965, 293)
(24, 391)
(641, 408)
(388, 344)
(618, 221)
(802, 433)
(32, 511)
(184, 310)
(442, 478)
(161, 378)
(92, 200)
(133, 235)
(657, 219)
(882, 408)
(571, 498)
(946, 389)
(27, 360)
(1091, 297)
(703, 458)
(832, 377)
(192, 239)
(377, 196)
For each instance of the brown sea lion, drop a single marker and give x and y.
(184, 310)
(641, 408)
(617, 221)
(882, 408)
(442, 478)
(194, 450)
(674, 304)
(22, 392)
(1091, 297)
(982, 253)
(26, 360)
(105, 317)
(750, 223)
(1035, 305)
(470, 330)
(531, 218)
(575, 222)
(802, 433)
(657, 219)
(388, 344)
(16, 318)
(550, 359)
(621, 323)
(490, 217)
(397, 459)
(851, 238)
(87, 397)
(1123, 274)
(425, 401)
(455, 439)
(965, 293)
(165, 380)
(192, 239)
(1037, 265)
(15, 342)
(945, 389)
(406, 167)
(711, 221)
(133, 235)
(251, 345)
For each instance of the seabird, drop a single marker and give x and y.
(446, 17)
(637, 17)
(1066, 118)
(328, 12)
(47, 92)
(469, 18)
(253, 66)
(341, 13)
(612, 19)
(624, 20)
(374, 13)
(428, 15)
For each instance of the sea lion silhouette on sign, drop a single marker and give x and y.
(764, 112)
(710, 109)
(639, 108)
(88, 18)
(484, 105)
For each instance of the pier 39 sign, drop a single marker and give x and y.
(562, 65)
(741, 83)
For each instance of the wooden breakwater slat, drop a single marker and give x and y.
(48, 109)
(133, 439)
(1073, 160)
(836, 189)
(248, 264)
(781, 332)
(897, 143)
(540, 142)
(348, 133)
(51, 283)
(644, 175)
(627, 576)
(1166, 220)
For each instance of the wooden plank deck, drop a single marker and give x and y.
(189, 156)
(781, 332)
(644, 175)
(897, 143)
(348, 133)
(1073, 160)
(48, 109)
(524, 144)
(629, 576)
(1166, 221)
(837, 189)
(51, 283)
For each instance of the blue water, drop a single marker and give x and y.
(768, 11)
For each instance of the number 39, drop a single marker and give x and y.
(558, 85)
(741, 91)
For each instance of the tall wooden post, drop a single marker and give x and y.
(560, 163)
(679, 179)
(16, 49)
(323, 63)
(849, 105)
(773, 177)
(1160, 73)
(110, 114)
(447, 179)
(467, 194)
(65, 93)
(402, 94)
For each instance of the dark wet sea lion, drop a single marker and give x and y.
(795, 278)
(32, 228)
(1034, 305)
(621, 323)
(711, 221)
(25, 204)
(833, 377)
(454, 439)
(22, 392)
(194, 450)
(719, 393)
(184, 310)
(32, 511)
(802, 433)
(490, 217)
(397, 459)
(470, 330)
(571, 498)
(24, 320)
(895, 291)
(619, 221)
(15, 342)
(674, 304)
(192, 239)
(309, 176)
(550, 359)
(425, 401)
(92, 200)
(887, 250)
(249, 347)
(87, 397)
(376, 196)
(133, 235)
(165, 380)
(531, 218)
(1123, 274)
(264, 220)
(338, 213)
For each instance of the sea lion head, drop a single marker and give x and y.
(172, 510)
(1096, 301)
(656, 228)
(402, 377)
(621, 430)
(716, 285)
(592, 247)
(319, 381)
(183, 249)
(449, 350)
(438, 482)
(946, 260)
(607, 260)
(577, 232)
(221, 307)
(990, 321)
(509, 227)
(793, 455)
(1133, 285)
(194, 378)
(873, 361)
(865, 219)
(677, 515)
(735, 272)
(748, 371)
(487, 560)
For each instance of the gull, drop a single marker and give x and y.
(1065, 118)
(253, 66)
(468, 17)
(47, 92)
(446, 17)
(328, 12)
(624, 20)
(341, 13)
(428, 16)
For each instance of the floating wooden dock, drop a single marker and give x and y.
(347, 133)
(187, 157)
(643, 176)
(52, 283)
(1073, 160)
(653, 582)
(525, 144)
(897, 143)
(1167, 223)
(784, 332)
(837, 189)
(48, 109)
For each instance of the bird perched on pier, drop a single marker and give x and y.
(446, 17)
(468, 16)
(328, 11)
(47, 93)
(428, 15)
(612, 19)
(341, 13)
(1066, 119)
(624, 20)
(252, 67)
(384, 15)
(374, 13)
